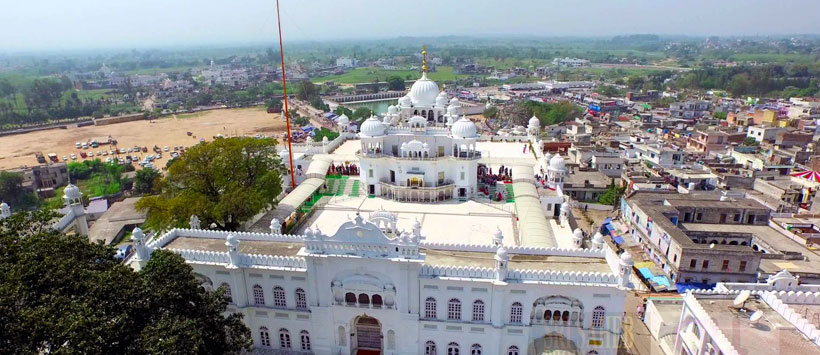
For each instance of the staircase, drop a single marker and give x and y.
(510, 194)
(354, 189)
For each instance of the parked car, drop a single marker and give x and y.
(123, 251)
(165, 148)
(65, 158)
(73, 156)
(85, 145)
(78, 145)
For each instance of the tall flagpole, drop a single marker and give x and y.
(285, 89)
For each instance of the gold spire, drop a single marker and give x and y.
(424, 58)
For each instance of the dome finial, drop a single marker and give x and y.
(424, 59)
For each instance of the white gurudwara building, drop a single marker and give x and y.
(424, 261)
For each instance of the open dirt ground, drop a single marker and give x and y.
(19, 150)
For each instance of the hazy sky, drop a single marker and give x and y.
(70, 24)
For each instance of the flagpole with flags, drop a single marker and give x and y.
(285, 89)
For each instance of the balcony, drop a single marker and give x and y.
(378, 154)
(401, 191)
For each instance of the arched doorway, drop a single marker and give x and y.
(553, 344)
(368, 337)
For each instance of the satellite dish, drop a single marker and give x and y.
(756, 316)
(741, 298)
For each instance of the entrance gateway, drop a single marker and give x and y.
(368, 335)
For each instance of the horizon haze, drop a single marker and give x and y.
(96, 24)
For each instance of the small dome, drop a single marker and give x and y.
(392, 109)
(343, 120)
(626, 258)
(371, 127)
(4, 206)
(565, 207)
(501, 254)
(423, 92)
(137, 234)
(557, 162)
(454, 102)
(464, 128)
(547, 158)
(452, 110)
(598, 238)
(534, 122)
(441, 100)
(417, 121)
(72, 192)
(405, 101)
(578, 234)
(498, 236)
(231, 240)
(387, 121)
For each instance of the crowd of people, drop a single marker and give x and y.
(343, 169)
(487, 178)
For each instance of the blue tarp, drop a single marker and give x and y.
(618, 240)
(683, 287)
(308, 128)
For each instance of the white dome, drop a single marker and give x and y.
(405, 101)
(578, 234)
(454, 102)
(387, 121)
(441, 100)
(453, 110)
(547, 158)
(343, 120)
(535, 122)
(464, 128)
(424, 92)
(565, 207)
(371, 127)
(231, 240)
(557, 162)
(501, 254)
(392, 109)
(626, 258)
(598, 238)
(137, 234)
(416, 121)
(72, 192)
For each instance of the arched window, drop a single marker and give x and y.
(342, 336)
(264, 336)
(284, 339)
(430, 308)
(377, 300)
(430, 348)
(301, 299)
(350, 298)
(513, 350)
(565, 317)
(452, 349)
(478, 311)
(598, 315)
(279, 297)
(475, 349)
(364, 299)
(258, 295)
(304, 338)
(547, 315)
(516, 311)
(454, 309)
(556, 316)
(227, 289)
(391, 339)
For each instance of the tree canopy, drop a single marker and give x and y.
(224, 182)
(63, 294)
(395, 83)
(13, 193)
(145, 180)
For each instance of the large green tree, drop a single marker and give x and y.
(13, 193)
(62, 294)
(224, 182)
(145, 180)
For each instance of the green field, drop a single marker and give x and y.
(368, 75)
(87, 94)
(154, 71)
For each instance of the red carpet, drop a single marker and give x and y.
(368, 352)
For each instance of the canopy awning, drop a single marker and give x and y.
(533, 228)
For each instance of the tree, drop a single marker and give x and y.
(63, 294)
(13, 193)
(341, 110)
(306, 90)
(145, 180)
(490, 112)
(395, 83)
(750, 141)
(612, 196)
(224, 182)
(324, 132)
(361, 114)
(721, 115)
